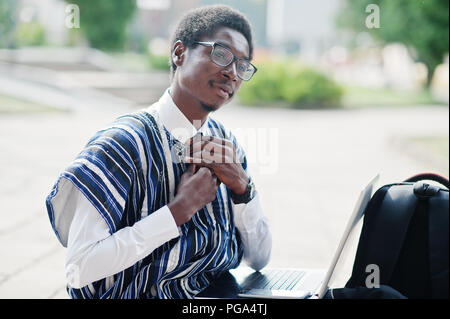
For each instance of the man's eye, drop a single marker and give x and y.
(243, 67)
(219, 54)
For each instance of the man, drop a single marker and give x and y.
(160, 203)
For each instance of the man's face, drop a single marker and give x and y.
(212, 85)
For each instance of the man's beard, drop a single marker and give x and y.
(207, 108)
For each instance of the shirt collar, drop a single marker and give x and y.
(175, 121)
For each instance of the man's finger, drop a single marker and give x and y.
(210, 139)
(193, 160)
(206, 157)
(215, 146)
(204, 170)
(213, 149)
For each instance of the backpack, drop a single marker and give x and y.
(405, 237)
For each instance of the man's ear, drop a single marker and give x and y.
(178, 53)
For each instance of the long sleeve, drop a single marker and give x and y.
(97, 208)
(255, 233)
(93, 253)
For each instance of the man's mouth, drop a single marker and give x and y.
(224, 90)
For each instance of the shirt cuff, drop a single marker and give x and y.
(158, 227)
(247, 216)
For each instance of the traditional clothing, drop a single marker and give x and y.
(126, 171)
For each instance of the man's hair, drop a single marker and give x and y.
(205, 21)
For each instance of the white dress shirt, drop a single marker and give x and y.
(93, 253)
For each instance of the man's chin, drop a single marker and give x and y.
(214, 106)
(210, 107)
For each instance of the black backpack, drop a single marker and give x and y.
(405, 234)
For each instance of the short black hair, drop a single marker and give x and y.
(205, 21)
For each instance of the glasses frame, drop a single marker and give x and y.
(235, 58)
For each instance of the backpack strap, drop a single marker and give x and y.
(439, 244)
(384, 230)
(391, 226)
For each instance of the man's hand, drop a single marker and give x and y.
(220, 156)
(195, 190)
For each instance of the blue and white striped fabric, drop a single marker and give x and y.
(126, 172)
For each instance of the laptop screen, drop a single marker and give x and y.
(356, 216)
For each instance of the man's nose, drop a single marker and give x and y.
(230, 71)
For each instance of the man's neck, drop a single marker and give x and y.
(189, 106)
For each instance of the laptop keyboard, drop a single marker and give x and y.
(275, 279)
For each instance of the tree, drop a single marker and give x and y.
(421, 25)
(8, 10)
(104, 22)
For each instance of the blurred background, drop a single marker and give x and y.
(345, 89)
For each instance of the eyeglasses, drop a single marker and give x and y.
(222, 56)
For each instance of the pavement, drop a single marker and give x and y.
(309, 167)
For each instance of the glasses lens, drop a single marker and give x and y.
(245, 70)
(221, 56)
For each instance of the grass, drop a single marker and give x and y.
(359, 97)
(438, 146)
(10, 105)
(432, 150)
(132, 61)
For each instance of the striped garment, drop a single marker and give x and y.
(126, 171)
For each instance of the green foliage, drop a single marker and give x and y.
(11, 105)
(159, 62)
(30, 34)
(104, 22)
(419, 24)
(290, 83)
(362, 97)
(8, 10)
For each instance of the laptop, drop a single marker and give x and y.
(288, 283)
